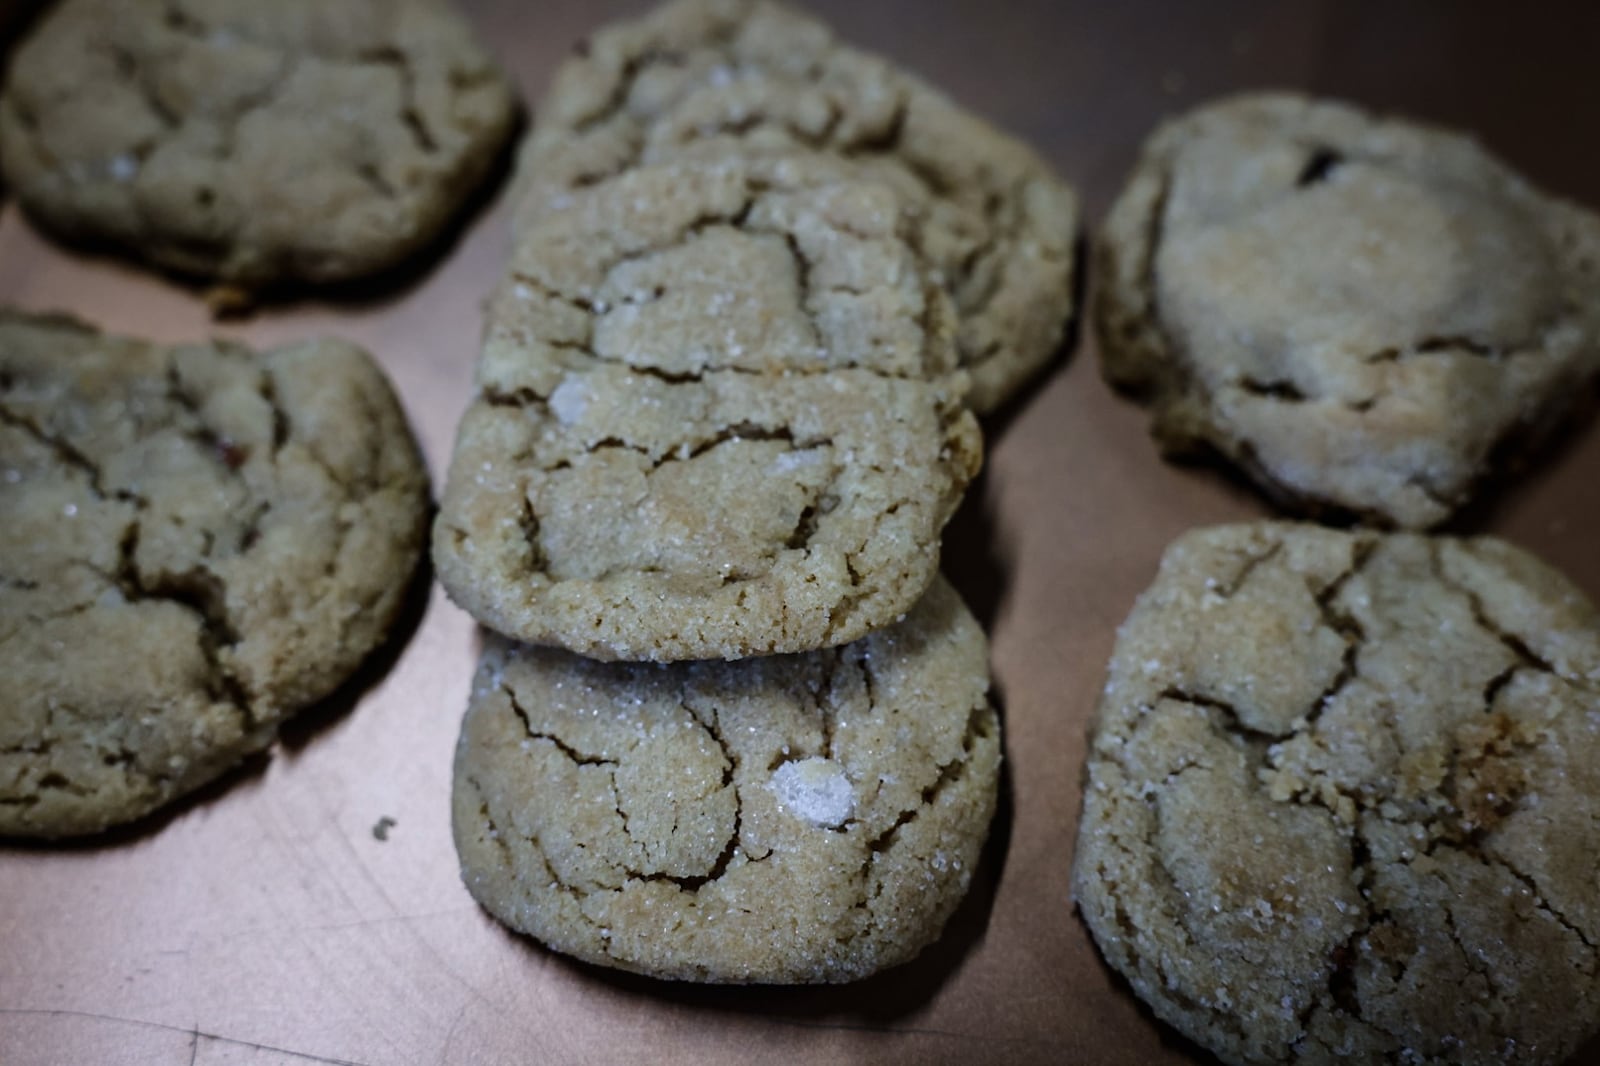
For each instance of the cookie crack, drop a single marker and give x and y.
(802, 278)
(69, 455)
(720, 41)
(1512, 642)
(397, 60)
(593, 308)
(1541, 900)
(738, 219)
(1171, 987)
(1280, 389)
(616, 102)
(133, 73)
(202, 593)
(747, 122)
(1253, 563)
(991, 261)
(730, 850)
(1230, 722)
(949, 774)
(1344, 624)
(495, 834)
(1322, 163)
(228, 453)
(1471, 961)
(576, 756)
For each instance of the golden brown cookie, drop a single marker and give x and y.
(1342, 800)
(789, 819)
(1362, 313)
(197, 542)
(715, 418)
(706, 78)
(252, 143)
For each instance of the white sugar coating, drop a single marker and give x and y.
(570, 400)
(795, 460)
(815, 789)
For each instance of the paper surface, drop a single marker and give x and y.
(269, 920)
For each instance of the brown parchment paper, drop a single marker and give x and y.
(266, 922)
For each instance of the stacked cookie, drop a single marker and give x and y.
(1340, 798)
(723, 413)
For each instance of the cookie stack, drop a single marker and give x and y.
(1341, 795)
(724, 409)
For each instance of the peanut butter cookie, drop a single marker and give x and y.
(197, 542)
(717, 416)
(1342, 800)
(702, 78)
(789, 819)
(1362, 313)
(252, 143)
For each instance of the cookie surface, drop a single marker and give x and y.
(198, 542)
(715, 418)
(252, 143)
(789, 819)
(1360, 312)
(1342, 800)
(713, 77)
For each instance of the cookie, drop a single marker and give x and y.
(1362, 313)
(198, 542)
(710, 77)
(296, 141)
(1342, 800)
(791, 819)
(716, 417)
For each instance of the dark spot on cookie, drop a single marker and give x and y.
(1318, 167)
(232, 455)
(182, 22)
(1454, 344)
(1277, 389)
(1342, 982)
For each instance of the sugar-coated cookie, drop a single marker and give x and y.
(252, 143)
(714, 77)
(788, 819)
(196, 542)
(1342, 800)
(717, 416)
(1364, 314)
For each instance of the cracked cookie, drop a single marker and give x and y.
(198, 542)
(705, 78)
(1362, 313)
(789, 819)
(716, 417)
(1341, 800)
(252, 143)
